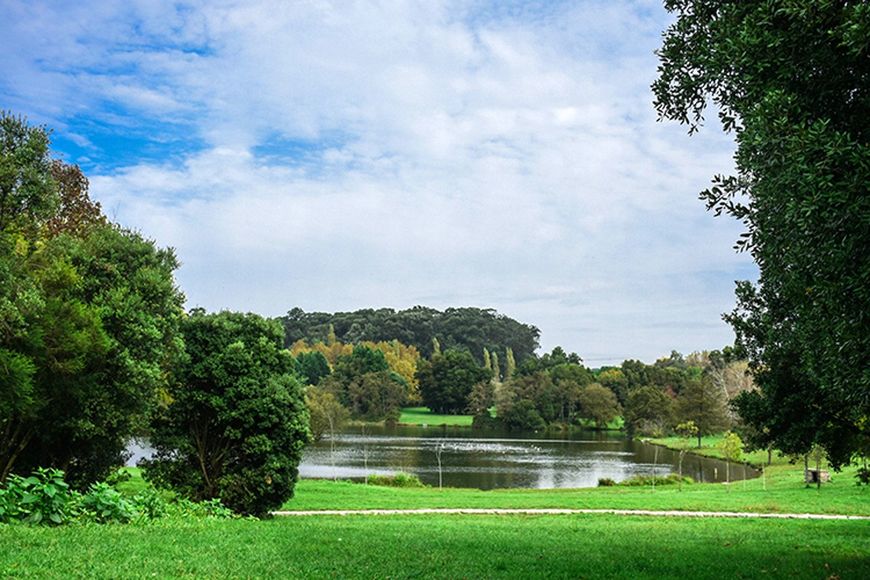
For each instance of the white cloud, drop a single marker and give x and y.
(445, 154)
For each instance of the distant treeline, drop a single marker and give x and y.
(470, 329)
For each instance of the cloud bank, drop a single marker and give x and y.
(340, 155)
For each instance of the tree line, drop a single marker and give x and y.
(471, 329)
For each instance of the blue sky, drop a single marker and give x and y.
(341, 155)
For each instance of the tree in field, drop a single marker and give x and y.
(446, 381)
(237, 423)
(702, 403)
(598, 404)
(648, 411)
(791, 81)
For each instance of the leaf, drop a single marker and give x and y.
(55, 517)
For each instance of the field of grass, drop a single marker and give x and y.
(444, 547)
(781, 491)
(588, 546)
(423, 416)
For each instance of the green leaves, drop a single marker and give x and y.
(792, 81)
(237, 423)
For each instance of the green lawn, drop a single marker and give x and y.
(781, 490)
(443, 547)
(593, 546)
(785, 493)
(423, 416)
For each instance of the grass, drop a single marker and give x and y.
(785, 493)
(588, 546)
(423, 416)
(781, 490)
(443, 546)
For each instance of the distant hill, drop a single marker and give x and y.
(471, 329)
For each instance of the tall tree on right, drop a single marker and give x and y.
(791, 81)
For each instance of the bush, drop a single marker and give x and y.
(523, 416)
(606, 482)
(641, 480)
(237, 424)
(212, 508)
(42, 498)
(149, 503)
(398, 480)
(103, 504)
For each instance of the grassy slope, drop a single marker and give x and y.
(423, 416)
(443, 546)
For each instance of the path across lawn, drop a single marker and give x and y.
(549, 512)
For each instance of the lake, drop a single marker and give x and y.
(495, 459)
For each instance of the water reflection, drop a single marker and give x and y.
(488, 460)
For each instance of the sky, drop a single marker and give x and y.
(359, 154)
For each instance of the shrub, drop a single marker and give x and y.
(641, 480)
(212, 508)
(41, 498)
(149, 503)
(237, 424)
(606, 482)
(398, 480)
(104, 504)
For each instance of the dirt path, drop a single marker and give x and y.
(548, 512)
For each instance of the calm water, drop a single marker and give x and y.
(488, 460)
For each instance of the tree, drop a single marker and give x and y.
(648, 411)
(446, 381)
(614, 379)
(494, 367)
(237, 423)
(28, 194)
(481, 398)
(313, 366)
(376, 396)
(510, 363)
(702, 403)
(791, 80)
(598, 404)
(327, 415)
(732, 448)
(77, 214)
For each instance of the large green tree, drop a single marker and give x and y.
(237, 423)
(791, 80)
(88, 317)
(447, 380)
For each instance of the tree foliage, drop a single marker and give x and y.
(471, 329)
(237, 424)
(88, 318)
(648, 411)
(791, 80)
(598, 404)
(447, 380)
(703, 404)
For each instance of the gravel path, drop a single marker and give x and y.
(547, 512)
